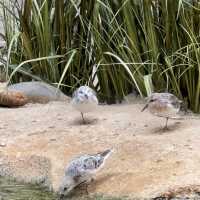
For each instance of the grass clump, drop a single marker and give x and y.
(109, 45)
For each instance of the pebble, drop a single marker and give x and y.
(52, 139)
(2, 144)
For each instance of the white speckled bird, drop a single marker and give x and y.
(84, 99)
(81, 170)
(163, 105)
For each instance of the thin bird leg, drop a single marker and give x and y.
(61, 197)
(91, 180)
(84, 186)
(165, 127)
(86, 189)
(83, 118)
(87, 184)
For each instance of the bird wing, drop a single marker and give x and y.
(174, 100)
(86, 164)
(73, 169)
(81, 166)
(74, 93)
(88, 90)
(93, 92)
(89, 163)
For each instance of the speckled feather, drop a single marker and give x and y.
(84, 99)
(163, 104)
(81, 169)
(86, 163)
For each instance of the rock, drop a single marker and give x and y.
(189, 192)
(2, 144)
(39, 92)
(12, 99)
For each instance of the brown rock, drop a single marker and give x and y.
(12, 99)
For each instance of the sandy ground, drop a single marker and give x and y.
(37, 141)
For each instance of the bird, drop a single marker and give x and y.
(164, 105)
(85, 100)
(81, 170)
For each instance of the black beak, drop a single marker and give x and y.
(145, 107)
(61, 197)
(86, 96)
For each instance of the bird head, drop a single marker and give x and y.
(66, 186)
(84, 93)
(150, 100)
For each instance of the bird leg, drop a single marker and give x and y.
(91, 180)
(61, 197)
(84, 122)
(165, 127)
(84, 186)
(86, 189)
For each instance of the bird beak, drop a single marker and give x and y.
(61, 197)
(145, 107)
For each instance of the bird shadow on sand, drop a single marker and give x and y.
(172, 127)
(99, 181)
(79, 122)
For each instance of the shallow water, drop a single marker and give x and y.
(11, 190)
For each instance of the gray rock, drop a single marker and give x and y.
(39, 92)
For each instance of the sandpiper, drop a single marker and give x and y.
(84, 99)
(163, 105)
(81, 170)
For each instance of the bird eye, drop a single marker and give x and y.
(65, 189)
(80, 92)
(152, 100)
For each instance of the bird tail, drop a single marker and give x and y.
(105, 154)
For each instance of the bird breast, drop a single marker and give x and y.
(85, 105)
(163, 109)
